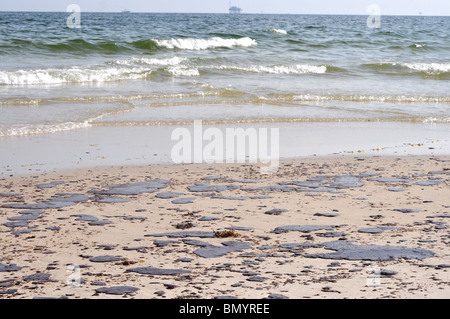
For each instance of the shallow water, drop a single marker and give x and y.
(151, 69)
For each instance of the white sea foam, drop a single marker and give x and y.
(372, 98)
(38, 129)
(21, 102)
(436, 120)
(151, 61)
(71, 75)
(116, 70)
(428, 67)
(279, 69)
(204, 44)
(137, 69)
(279, 31)
(183, 71)
(44, 129)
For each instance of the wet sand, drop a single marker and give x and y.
(144, 145)
(321, 227)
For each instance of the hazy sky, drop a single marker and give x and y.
(400, 7)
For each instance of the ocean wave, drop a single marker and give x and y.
(92, 46)
(140, 69)
(173, 65)
(44, 129)
(115, 70)
(361, 98)
(436, 120)
(205, 91)
(20, 102)
(150, 61)
(183, 71)
(278, 69)
(249, 120)
(39, 129)
(432, 68)
(68, 46)
(204, 44)
(279, 31)
(71, 75)
(421, 67)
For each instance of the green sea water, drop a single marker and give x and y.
(147, 69)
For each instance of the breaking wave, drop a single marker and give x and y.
(204, 44)
(116, 70)
(44, 129)
(432, 68)
(279, 31)
(406, 68)
(278, 69)
(368, 98)
(72, 75)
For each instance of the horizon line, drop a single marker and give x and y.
(226, 13)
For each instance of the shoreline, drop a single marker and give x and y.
(135, 146)
(152, 157)
(313, 230)
(224, 167)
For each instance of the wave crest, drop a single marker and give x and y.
(117, 70)
(370, 98)
(420, 67)
(204, 44)
(279, 31)
(44, 129)
(72, 75)
(432, 68)
(279, 69)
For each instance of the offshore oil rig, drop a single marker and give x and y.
(234, 9)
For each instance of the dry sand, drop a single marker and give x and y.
(398, 254)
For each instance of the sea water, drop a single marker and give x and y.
(139, 69)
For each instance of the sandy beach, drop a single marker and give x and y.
(322, 227)
(151, 154)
